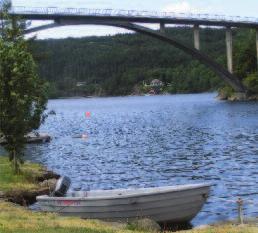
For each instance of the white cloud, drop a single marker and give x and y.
(184, 7)
(62, 3)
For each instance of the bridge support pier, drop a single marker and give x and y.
(257, 47)
(162, 27)
(196, 37)
(229, 45)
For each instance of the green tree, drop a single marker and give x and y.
(23, 96)
(245, 53)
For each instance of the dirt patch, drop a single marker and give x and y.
(45, 182)
(25, 198)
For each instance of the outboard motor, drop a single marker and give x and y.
(62, 186)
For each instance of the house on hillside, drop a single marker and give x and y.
(81, 84)
(156, 83)
(156, 86)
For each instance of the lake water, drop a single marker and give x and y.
(155, 141)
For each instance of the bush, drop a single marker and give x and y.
(225, 92)
(251, 83)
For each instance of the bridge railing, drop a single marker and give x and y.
(128, 13)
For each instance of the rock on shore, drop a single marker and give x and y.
(238, 97)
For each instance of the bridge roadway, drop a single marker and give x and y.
(130, 19)
(53, 13)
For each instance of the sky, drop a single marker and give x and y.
(225, 7)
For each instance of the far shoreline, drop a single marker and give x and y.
(140, 95)
(219, 97)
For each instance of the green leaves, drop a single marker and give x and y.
(245, 53)
(22, 94)
(251, 83)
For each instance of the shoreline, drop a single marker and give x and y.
(236, 97)
(23, 189)
(132, 95)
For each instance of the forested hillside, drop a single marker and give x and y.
(118, 65)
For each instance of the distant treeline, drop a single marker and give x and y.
(117, 65)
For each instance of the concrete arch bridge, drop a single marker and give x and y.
(131, 19)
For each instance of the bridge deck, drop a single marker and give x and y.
(53, 13)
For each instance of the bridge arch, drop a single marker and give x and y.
(222, 72)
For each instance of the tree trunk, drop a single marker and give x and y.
(15, 163)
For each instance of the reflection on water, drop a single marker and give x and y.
(155, 141)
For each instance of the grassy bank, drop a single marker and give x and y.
(25, 181)
(24, 188)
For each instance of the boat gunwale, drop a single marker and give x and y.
(167, 189)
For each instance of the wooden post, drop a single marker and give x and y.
(240, 203)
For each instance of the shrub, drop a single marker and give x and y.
(251, 83)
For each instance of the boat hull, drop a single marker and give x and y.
(164, 205)
(31, 138)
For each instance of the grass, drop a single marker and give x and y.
(16, 219)
(25, 181)
(225, 229)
